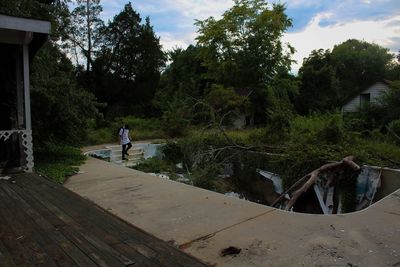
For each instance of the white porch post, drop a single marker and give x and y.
(27, 97)
(27, 136)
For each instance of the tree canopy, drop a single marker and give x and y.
(244, 47)
(129, 61)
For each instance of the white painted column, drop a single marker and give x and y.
(27, 136)
(27, 96)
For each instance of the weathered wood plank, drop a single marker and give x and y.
(166, 255)
(59, 248)
(6, 258)
(71, 205)
(78, 235)
(22, 231)
(128, 244)
(92, 231)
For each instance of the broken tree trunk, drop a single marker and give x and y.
(313, 177)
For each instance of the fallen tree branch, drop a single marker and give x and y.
(312, 178)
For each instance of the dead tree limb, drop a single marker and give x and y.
(312, 179)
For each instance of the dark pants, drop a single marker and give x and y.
(125, 149)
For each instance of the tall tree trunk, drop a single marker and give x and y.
(89, 35)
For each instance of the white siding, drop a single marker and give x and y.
(239, 122)
(375, 90)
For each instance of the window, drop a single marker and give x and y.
(365, 98)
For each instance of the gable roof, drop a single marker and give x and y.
(351, 97)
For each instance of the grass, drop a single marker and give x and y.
(140, 129)
(57, 162)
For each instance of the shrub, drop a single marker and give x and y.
(394, 131)
(320, 128)
(57, 162)
(156, 165)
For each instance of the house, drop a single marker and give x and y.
(20, 39)
(370, 95)
(243, 117)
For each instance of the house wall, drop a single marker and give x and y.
(239, 122)
(375, 90)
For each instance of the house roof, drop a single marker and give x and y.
(24, 24)
(348, 99)
(16, 28)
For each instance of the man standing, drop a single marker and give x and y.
(125, 141)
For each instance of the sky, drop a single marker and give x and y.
(316, 23)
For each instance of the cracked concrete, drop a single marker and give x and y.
(203, 223)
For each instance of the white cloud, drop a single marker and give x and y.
(201, 9)
(184, 32)
(315, 36)
(197, 9)
(170, 40)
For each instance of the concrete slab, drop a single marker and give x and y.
(170, 210)
(279, 238)
(203, 222)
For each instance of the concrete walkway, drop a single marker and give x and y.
(202, 223)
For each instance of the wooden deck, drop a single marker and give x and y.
(43, 223)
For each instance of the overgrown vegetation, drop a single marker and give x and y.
(57, 162)
(237, 73)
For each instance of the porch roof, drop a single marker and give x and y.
(24, 24)
(17, 30)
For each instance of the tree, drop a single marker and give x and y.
(84, 30)
(55, 11)
(243, 48)
(60, 109)
(358, 64)
(129, 61)
(318, 89)
(183, 77)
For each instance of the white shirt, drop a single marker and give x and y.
(124, 136)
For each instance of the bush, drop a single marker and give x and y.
(156, 165)
(394, 131)
(206, 176)
(318, 128)
(175, 119)
(57, 162)
(140, 129)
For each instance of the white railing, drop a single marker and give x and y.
(26, 142)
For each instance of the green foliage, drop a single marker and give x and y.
(175, 118)
(183, 77)
(206, 176)
(318, 90)
(140, 129)
(358, 64)
(280, 109)
(376, 116)
(368, 117)
(173, 152)
(243, 50)
(60, 110)
(329, 79)
(37, 9)
(394, 131)
(156, 165)
(84, 30)
(57, 162)
(244, 47)
(99, 136)
(129, 62)
(318, 128)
